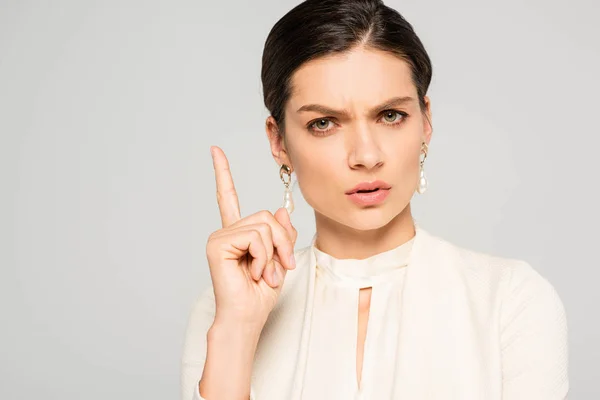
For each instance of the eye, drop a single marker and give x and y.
(393, 116)
(320, 126)
(322, 123)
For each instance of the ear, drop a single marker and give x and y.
(277, 142)
(427, 127)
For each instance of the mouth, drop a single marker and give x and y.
(369, 187)
(369, 197)
(369, 191)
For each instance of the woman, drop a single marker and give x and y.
(375, 307)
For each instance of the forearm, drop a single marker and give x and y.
(228, 366)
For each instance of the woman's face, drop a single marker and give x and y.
(353, 118)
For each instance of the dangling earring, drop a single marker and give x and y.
(288, 201)
(422, 187)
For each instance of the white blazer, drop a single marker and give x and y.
(474, 327)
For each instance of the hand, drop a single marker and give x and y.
(248, 257)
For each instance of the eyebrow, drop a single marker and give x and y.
(389, 103)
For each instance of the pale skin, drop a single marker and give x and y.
(369, 125)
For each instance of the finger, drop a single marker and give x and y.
(281, 272)
(257, 266)
(283, 217)
(236, 244)
(265, 267)
(281, 239)
(270, 268)
(273, 275)
(227, 198)
(270, 274)
(279, 286)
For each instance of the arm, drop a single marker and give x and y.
(228, 368)
(533, 339)
(218, 353)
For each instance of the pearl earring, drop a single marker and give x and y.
(422, 187)
(288, 201)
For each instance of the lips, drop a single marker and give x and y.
(366, 191)
(369, 187)
(369, 198)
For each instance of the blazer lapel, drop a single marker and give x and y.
(439, 353)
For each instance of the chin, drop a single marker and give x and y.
(365, 219)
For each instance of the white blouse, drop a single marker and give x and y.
(331, 362)
(444, 323)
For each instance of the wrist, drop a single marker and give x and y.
(224, 323)
(229, 361)
(235, 334)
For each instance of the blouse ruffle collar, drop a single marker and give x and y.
(365, 272)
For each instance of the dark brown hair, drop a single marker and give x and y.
(317, 28)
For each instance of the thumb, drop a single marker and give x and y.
(283, 217)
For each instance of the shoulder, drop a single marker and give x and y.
(516, 274)
(531, 302)
(518, 286)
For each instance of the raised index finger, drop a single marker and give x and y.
(227, 198)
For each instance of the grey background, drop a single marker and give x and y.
(107, 112)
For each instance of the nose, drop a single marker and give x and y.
(365, 151)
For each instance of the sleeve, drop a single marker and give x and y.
(534, 338)
(198, 397)
(195, 346)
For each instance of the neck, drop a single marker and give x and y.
(342, 241)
